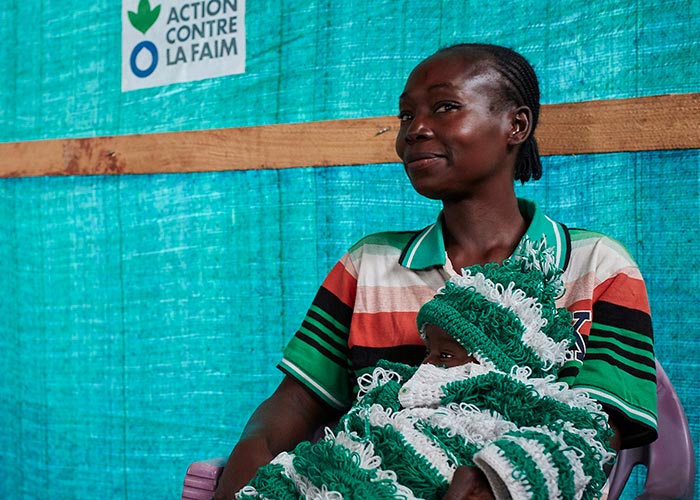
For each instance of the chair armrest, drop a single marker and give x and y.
(201, 479)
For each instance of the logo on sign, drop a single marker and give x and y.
(142, 20)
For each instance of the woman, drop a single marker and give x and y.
(468, 115)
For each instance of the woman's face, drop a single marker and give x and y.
(454, 137)
(443, 350)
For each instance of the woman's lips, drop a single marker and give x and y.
(422, 161)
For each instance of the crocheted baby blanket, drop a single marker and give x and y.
(534, 438)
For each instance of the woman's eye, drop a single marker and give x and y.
(448, 106)
(405, 116)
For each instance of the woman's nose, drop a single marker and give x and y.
(418, 130)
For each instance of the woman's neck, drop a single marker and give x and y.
(478, 231)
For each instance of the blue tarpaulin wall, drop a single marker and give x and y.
(142, 316)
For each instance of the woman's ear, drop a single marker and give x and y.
(521, 125)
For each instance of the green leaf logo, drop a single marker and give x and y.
(144, 18)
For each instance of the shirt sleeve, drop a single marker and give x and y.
(317, 356)
(618, 366)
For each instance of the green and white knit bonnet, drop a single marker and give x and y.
(506, 313)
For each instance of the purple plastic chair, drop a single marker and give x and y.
(201, 479)
(670, 460)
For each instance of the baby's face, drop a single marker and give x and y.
(443, 350)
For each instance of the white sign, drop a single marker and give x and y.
(171, 41)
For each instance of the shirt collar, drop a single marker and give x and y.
(427, 248)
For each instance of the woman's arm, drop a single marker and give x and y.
(287, 417)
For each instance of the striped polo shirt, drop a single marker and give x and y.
(366, 310)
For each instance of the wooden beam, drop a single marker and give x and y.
(651, 123)
(639, 124)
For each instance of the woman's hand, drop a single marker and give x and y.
(469, 483)
(287, 417)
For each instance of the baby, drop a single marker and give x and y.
(486, 396)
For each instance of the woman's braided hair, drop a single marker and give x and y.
(519, 87)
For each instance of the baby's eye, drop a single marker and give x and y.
(445, 355)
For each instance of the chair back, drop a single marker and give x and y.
(670, 460)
